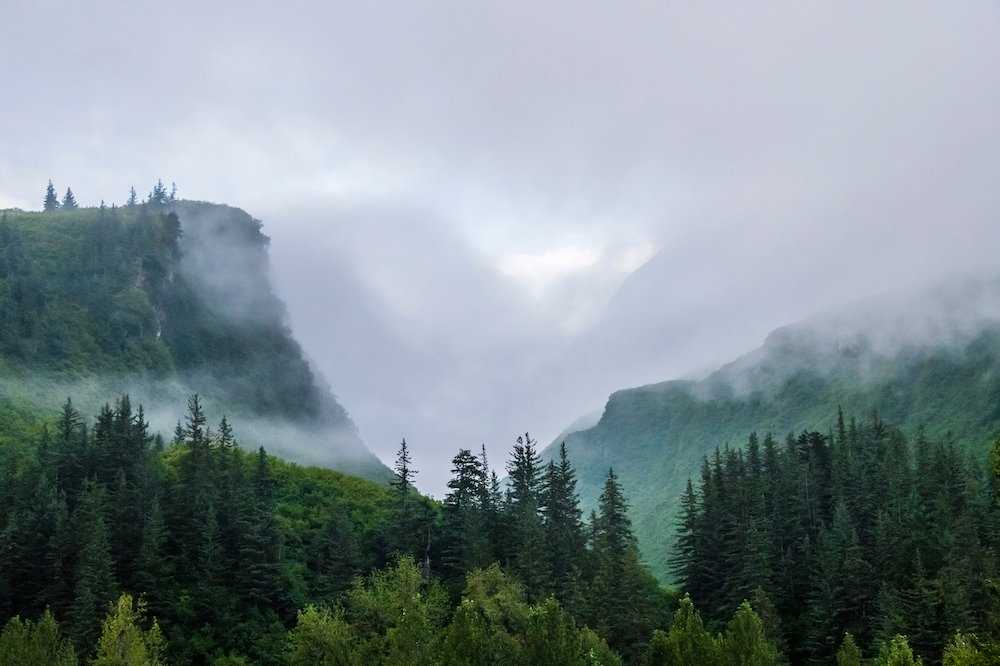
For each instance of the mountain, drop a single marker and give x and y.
(161, 301)
(930, 358)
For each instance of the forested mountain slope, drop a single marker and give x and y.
(161, 300)
(930, 359)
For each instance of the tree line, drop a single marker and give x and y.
(194, 551)
(159, 195)
(825, 549)
(855, 537)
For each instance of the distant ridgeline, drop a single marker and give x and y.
(160, 300)
(932, 361)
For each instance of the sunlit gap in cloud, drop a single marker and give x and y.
(573, 282)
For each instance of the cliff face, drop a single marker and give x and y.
(163, 301)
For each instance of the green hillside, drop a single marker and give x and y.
(945, 377)
(161, 300)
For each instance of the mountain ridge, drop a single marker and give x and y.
(937, 366)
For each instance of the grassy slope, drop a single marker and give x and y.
(655, 436)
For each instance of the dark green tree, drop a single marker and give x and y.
(69, 201)
(51, 201)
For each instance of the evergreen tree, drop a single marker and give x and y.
(133, 198)
(403, 537)
(69, 201)
(684, 558)
(564, 538)
(51, 201)
(158, 195)
(95, 583)
(619, 604)
(526, 547)
(464, 546)
(261, 550)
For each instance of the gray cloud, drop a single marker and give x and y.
(784, 158)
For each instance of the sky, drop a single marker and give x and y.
(487, 216)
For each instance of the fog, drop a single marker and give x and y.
(485, 218)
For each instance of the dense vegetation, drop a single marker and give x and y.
(857, 531)
(655, 436)
(117, 548)
(161, 299)
(229, 550)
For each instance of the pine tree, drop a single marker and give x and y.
(51, 201)
(333, 560)
(260, 553)
(69, 201)
(133, 198)
(152, 575)
(564, 536)
(158, 196)
(618, 604)
(403, 473)
(684, 559)
(95, 583)
(464, 545)
(526, 554)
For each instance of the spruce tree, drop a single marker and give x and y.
(564, 536)
(133, 198)
(51, 201)
(618, 603)
(464, 545)
(402, 482)
(526, 554)
(95, 583)
(69, 201)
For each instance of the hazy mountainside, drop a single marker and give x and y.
(161, 300)
(930, 359)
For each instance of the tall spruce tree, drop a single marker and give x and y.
(95, 585)
(564, 538)
(51, 201)
(526, 554)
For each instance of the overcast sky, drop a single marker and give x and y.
(457, 190)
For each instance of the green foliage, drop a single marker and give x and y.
(123, 640)
(656, 435)
(107, 299)
(322, 638)
(849, 653)
(857, 532)
(896, 652)
(686, 642)
(397, 615)
(745, 641)
(27, 643)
